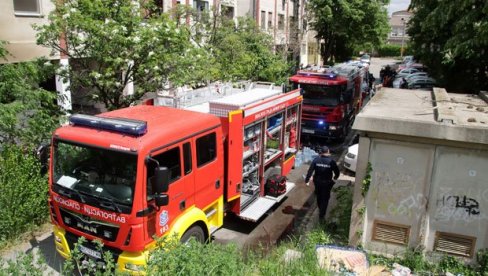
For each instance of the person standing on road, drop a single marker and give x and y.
(322, 168)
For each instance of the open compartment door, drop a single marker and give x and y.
(234, 157)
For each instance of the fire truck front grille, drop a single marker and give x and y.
(100, 229)
(72, 239)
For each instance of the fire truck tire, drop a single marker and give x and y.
(194, 232)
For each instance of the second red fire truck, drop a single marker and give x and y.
(331, 99)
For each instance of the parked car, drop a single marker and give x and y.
(405, 72)
(351, 158)
(421, 83)
(416, 75)
(407, 59)
(365, 59)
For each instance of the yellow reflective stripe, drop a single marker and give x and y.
(234, 113)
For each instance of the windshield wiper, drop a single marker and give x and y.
(112, 205)
(70, 194)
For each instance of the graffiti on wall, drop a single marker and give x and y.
(469, 205)
(453, 206)
(394, 194)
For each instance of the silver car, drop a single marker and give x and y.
(421, 83)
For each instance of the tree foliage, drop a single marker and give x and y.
(115, 42)
(239, 48)
(28, 113)
(344, 25)
(243, 51)
(451, 39)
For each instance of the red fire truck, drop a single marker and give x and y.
(331, 99)
(126, 176)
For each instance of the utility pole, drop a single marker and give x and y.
(403, 36)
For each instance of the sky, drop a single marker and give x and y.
(398, 5)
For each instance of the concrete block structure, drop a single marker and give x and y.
(428, 188)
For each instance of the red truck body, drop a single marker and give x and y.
(331, 99)
(103, 169)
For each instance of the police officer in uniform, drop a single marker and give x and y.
(322, 168)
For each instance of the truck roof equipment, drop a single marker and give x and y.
(121, 125)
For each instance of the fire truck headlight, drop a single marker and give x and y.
(332, 127)
(134, 267)
(321, 122)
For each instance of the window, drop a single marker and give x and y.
(270, 20)
(228, 11)
(281, 21)
(263, 20)
(169, 159)
(159, 6)
(27, 7)
(187, 157)
(200, 5)
(206, 149)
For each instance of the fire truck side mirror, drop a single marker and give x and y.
(161, 200)
(160, 180)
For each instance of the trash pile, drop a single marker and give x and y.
(347, 261)
(305, 156)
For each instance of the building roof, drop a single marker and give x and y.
(436, 115)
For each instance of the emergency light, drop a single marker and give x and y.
(324, 75)
(126, 126)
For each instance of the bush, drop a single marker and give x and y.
(23, 192)
(390, 50)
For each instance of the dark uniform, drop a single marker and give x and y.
(322, 168)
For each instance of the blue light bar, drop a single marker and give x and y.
(126, 126)
(324, 75)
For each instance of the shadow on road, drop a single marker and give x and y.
(47, 249)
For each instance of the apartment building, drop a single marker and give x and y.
(282, 19)
(399, 24)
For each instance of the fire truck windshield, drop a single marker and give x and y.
(321, 95)
(95, 176)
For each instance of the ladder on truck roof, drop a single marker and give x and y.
(197, 99)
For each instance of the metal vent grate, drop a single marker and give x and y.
(391, 233)
(454, 244)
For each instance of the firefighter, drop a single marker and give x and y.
(322, 168)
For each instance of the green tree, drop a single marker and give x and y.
(451, 39)
(115, 42)
(243, 51)
(28, 113)
(347, 25)
(240, 50)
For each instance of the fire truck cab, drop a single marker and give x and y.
(331, 99)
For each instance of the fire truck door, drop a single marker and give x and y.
(208, 168)
(181, 188)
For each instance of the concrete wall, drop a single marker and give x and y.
(459, 197)
(426, 185)
(16, 29)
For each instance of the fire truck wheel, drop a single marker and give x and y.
(195, 232)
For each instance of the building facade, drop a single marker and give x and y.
(398, 28)
(16, 19)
